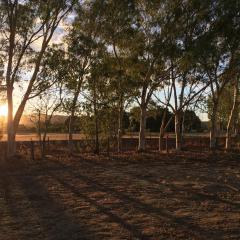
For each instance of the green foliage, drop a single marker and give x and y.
(224, 107)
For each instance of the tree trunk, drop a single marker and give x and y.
(13, 123)
(70, 126)
(162, 131)
(183, 126)
(232, 117)
(44, 144)
(178, 139)
(141, 145)
(120, 128)
(73, 109)
(70, 132)
(11, 146)
(213, 137)
(96, 151)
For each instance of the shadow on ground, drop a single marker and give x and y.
(122, 197)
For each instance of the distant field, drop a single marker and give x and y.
(52, 136)
(25, 137)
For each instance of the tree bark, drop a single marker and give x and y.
(213, 137)
(96, 151)
(178, 139)
(162, 131)
(13, 123)
(120, 103)
(72, 120)
(141, 145)
(73, 109)
(232, 116)
(44, 143)
(11, 146)
(120, 127)
(183, 124)
(70, 132)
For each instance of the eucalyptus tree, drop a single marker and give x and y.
(219, 54)
(82, 49)
(148, 67)
(232, 119)
(117, 31)
(47, 92)
(217, 66)
(100, 101)
(27, 27)
(186, 25)
(163, 49)
(166, 91)
(43, 108)
(229, 15)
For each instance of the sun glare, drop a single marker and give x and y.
(3, 110)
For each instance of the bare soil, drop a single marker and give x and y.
(130, 196)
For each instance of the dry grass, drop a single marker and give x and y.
(132, 196)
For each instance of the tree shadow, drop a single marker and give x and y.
(49, 221)
(194, 195)
(159, 213)
(132, 229)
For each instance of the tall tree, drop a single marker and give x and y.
(82, 48)
(148, 67)
(26, 31)
(116, 31)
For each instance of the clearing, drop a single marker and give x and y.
(129, 196)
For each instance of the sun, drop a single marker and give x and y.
(3, 110)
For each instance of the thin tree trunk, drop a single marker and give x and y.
(11, 148)
(178, 139)
(183, 123)
(232, 116)
(70, 124)
(44, 144)
(70, 132)
(141, 145)
(39, 132)
(13, 123)
(213, 137)
(162, 131)
(120, 127)
(120, 107)
(96, 151)
(73, 109)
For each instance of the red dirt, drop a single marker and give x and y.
(145, 196)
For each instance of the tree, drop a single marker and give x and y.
(116, 26)
(44, 107)
(218, 57)
(82, 42)
(25, 23)
(191, 121)
(233, 115)
(187, 21)
(148, 68)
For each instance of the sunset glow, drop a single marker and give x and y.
(3, 110)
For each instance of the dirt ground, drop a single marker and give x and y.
(128, 196)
